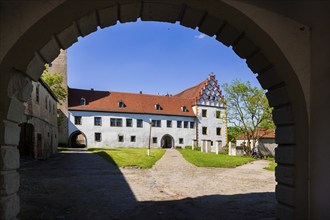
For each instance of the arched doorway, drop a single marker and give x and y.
(78, 140)
(232, 26)
(167, 141)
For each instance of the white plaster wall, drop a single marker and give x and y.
(110, 134)
(211, 122)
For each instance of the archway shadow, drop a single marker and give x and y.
(82, 185)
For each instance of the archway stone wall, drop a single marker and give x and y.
(63, 23)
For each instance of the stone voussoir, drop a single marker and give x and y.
(9, 206)
(258, 62)
(210, 25)
(278, 97)
(285, 174)
(160, 12)
(68, 37)
(285, 155)
(192, 18)
(285, 134)
(244, 47)
(129, 12)
(228, 35)
(9, 182)
(269, 79)
(285, 194)
(88, 24)
(9, 159)
(108, 16)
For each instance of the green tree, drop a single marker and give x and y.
(55, 82)
(248, 110)
(234, 132)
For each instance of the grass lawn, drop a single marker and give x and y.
(213, 160)
(272, 164)
(129, 156)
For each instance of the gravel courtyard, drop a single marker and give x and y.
(81, 185)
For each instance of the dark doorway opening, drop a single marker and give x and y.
(78, 140)
(167, 141)
(26, 142)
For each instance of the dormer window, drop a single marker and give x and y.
(184, 108)
(121, 104)
(82, 101)
(157, 107)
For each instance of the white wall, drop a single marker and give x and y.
(110, 134)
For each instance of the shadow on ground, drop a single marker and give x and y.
(84, 186)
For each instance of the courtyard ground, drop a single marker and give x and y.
(80, 185)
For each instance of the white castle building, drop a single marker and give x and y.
(116, 119)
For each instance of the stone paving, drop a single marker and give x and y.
(81, 185)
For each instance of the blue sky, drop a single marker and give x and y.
(153, 57)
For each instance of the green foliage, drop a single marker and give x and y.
(272, 165)
(123, 157)
(213, 160)
(234, 132)
(189, 147)
(248, 110)
(55, 83)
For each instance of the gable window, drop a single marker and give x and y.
(97, 136)
(133, 138)
(180, 140)
(37, 93)
(139, 123)
(185, 124)
(217, 114)
(116, 122)
(158, 107)
(82, 101)
(129, 122)
(169, 123)
(77, 120)
(120, 138)
(154, 140)
(156, 123)
(192, 124)
(179, 124)
(97, 121)
(204, 130)
(204, 113)
(184, 109)
(121, 104)
(218, 131)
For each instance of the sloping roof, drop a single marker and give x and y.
(263, 133)
(134, 103)
(192, 92)
(45, 85)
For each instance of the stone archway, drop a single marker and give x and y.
(78, 140)
(167, 141)
(252, 32)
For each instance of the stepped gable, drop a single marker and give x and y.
(207, 92)
(106, 101)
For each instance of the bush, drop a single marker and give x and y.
(62, 144)
(198, 148)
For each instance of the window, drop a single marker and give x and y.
(180, 140)
(37, 93)
(185, 124)
(46, 102)
(184, 109)
(154, 140)
(156, 123)
(133, 138)
(50, 106)
(116, 122)
(129, 122)
(120, 138)
(217, 114)
(54, 109)
(218, 131)
(98, 136)
(169, 123)
(139, 123)
(204, 130)
(97, 121)
(77, 120)
(192, 124)
(204, 113)
(158, 107)
(121, 104)
(179, 124)
(82, 101)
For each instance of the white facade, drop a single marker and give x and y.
(110, 135)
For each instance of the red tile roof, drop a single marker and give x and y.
(134, 103)
(263, 133)
(192, 92)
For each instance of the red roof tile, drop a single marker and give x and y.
(263, 133)
(192, 92)
(134, 103)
